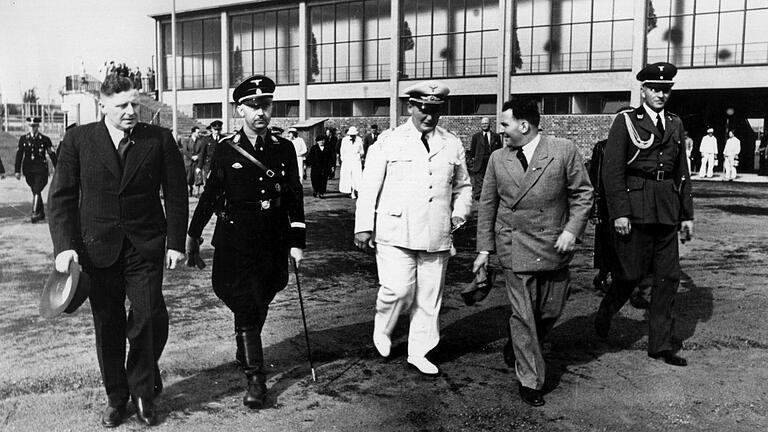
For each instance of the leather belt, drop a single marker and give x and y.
(653, 175)
(256, 205)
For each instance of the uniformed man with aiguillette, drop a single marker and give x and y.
(648, 191)
(255, 189)
(30, 160)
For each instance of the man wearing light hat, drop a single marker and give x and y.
(708, 150)
(351, 169)
(415, 191)
(255, 190)
(648, 192)
(301, 151)
(30, 160)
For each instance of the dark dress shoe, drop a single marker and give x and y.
(113, 415)
(639, 302)
(531, 396)
(669, 358)
(145, 411)
(509, 354)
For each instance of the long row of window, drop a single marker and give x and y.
(350, 41)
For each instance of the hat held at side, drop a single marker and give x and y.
(64, 292)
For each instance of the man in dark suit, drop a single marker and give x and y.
(191, 149)
(483, 144)
(369, 139)
(30, 160)
(530, 214)
(208, 147)
(256, 191)
(648, 192)
(320, 160)
(106, 214)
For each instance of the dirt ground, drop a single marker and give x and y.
(49, 377)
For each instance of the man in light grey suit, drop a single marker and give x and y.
(530, 214)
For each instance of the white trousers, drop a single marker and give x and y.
(410, 279)
(707, 165)
(729, 169)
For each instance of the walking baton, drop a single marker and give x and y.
(304, 319)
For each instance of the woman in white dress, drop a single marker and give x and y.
(351, 165)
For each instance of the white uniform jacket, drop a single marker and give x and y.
(408, 197)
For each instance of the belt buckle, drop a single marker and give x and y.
(265, 205)
(270, 173)
(659, 175)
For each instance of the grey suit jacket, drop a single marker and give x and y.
(522, 213)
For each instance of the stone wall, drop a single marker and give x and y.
(584, 130)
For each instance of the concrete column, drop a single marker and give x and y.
(226, 107)
(303, 61)
(159, 75)
(638, 49)
(506, 34)
(394, 60)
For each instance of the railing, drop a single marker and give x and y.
(13, 119)
(576, 62)
(711, 55)
(450, 68)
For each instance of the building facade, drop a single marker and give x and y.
(349, 60)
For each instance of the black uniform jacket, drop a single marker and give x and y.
(95, 203)
(30, 156)
(261, 213)
(651, 185)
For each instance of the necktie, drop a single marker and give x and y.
(487, 141)
(424, 140)
(659, 125)
(122, 146)
(523, 160)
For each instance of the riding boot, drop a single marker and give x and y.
(40, 207)
(35, 216)
(251, 359)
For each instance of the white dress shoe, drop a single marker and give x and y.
(423, 365)
(382, 343)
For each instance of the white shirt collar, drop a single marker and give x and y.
(655, 114)
(530, 148)
(114, 133)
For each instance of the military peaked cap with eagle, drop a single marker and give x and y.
(254, 88)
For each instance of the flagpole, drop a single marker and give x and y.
(173, 69)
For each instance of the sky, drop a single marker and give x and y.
(43, 41)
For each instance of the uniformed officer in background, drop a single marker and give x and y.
(31, 161)
(209, 147)
(255, 189)
(648, 192)
(415, 191)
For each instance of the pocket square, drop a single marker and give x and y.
(236, 165)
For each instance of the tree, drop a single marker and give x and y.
(314, 65)
(237, 67)
(406, 44)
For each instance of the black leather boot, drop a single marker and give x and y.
(39, 207)
(35, 217)
(251, 359)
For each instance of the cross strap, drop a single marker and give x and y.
(250, 157)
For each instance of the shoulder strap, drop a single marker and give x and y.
(248, 156)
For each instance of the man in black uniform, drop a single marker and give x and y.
(30, 160)
(648, 192)
(254, 186)
(209, 147)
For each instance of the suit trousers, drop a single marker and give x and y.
(707, 165)
(654, 247)
(537, 300)
(415, 279)
(146, 326)
(729, 167)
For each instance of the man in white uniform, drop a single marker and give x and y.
(301, 151)
(415, 190)
(708, 150)
(731, 156)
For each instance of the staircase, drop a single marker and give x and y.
(157, 113)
